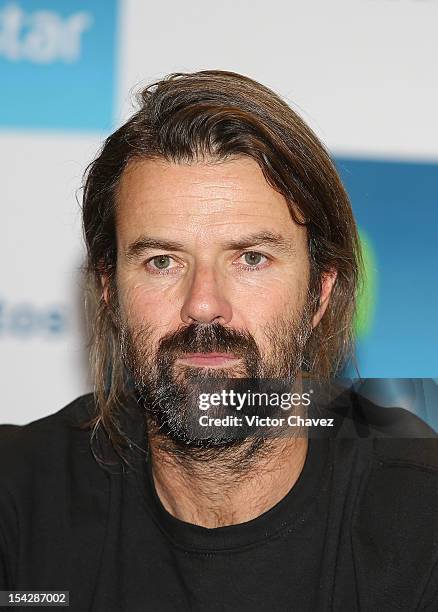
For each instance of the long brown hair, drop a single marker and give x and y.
(216, 115)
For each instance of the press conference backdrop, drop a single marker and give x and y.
(362, 73)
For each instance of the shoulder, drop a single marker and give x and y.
(26, 449)
(419, 454)
(403, 474)
(404, 456)
(51, 489)
(395, 534)
(69, 418)
(73, 413)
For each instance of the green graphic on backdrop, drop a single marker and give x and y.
(367, 295)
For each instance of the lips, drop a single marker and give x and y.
(208, 359)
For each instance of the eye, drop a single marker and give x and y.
(161, 264)
(253, 260)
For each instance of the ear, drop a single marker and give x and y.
(327, 284)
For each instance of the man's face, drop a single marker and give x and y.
(212, 273)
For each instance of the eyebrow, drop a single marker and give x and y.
(145, 243)
(263, 238)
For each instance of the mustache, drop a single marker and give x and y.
(205, 338)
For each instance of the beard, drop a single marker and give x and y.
(169, 391)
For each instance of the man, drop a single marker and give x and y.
(221, 248)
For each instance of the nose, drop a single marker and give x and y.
(205, 301)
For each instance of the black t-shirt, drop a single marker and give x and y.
(358, 531)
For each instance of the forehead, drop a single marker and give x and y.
(208, 200)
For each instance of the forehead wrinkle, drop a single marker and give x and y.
(214, 206)
(239, 215)
(150, 183)
(205, 202)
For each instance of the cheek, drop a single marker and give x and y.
(141, 305)
(260, 298)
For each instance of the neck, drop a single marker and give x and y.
(228, 486)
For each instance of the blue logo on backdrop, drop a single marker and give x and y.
(27, 320)
(57, 63)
